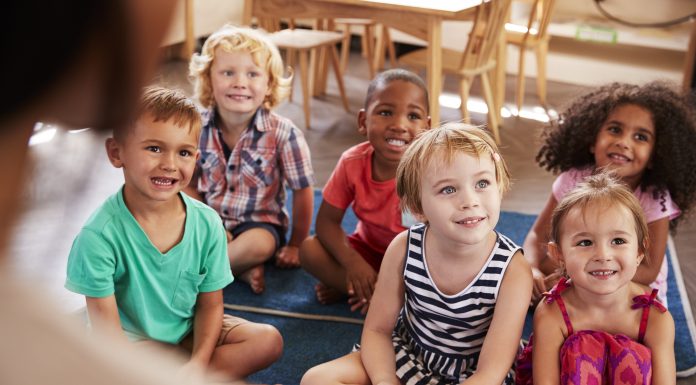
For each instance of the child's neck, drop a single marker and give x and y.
(584, 299)
(163, 222)
(383, 170)
(232, 122)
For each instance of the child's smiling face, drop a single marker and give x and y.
(625, 143)
(158, 158)
(394, 116)
(239, 84)
(460, 198)
(599, 247)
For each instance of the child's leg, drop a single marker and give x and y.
(332, 276)
(344, 370)
(246, 348)
(247, 252)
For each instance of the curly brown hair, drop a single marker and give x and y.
(567, 140)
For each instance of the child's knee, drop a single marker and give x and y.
(308, 250)
(313, 377)
(268, 342)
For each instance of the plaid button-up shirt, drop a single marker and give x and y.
(249, 185)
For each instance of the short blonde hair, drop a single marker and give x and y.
(164, 104)
(233, 39)
(444, 142)
(602, 189)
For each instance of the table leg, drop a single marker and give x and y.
(434, 67)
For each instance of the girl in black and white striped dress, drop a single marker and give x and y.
(452, 293)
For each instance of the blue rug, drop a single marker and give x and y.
(311, 338)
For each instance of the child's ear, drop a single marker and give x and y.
(113, 151)
(429, 122)
(554, 251)
(362, 122)
(592, 149)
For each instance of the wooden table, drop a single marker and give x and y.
(420, 18)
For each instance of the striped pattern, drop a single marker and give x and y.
(438, 337)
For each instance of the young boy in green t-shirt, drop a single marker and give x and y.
(152, 262)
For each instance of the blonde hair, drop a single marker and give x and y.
(164, 104)
(234, 39)
(602, 189)
(444, 141)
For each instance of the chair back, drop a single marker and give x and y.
(489, 24)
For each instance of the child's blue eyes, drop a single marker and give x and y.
(482, 184)
(448, 190)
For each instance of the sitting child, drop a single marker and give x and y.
(452, 293)
(395, 112)
(250, 154)
(596, 326)
(645, 135)
(152, 262)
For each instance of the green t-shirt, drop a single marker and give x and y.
(155, 293)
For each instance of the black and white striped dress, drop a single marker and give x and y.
(438, 337)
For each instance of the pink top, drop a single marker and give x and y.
(374, 203)
(656, 205)
(597, 357)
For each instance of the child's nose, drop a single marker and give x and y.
(168, 163)
(468, 198)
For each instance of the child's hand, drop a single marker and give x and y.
(361, 280)
(288, 257)
(358, 304)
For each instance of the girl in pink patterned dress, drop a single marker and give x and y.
(597, 326)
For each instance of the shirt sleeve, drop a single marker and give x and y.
(564, 183)
(91, 265)
(338, 191)
(296, 161)
(217, 263)
(657, 205)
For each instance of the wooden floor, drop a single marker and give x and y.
(72, 175)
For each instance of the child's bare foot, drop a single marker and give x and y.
(254, 277)
(327, 295)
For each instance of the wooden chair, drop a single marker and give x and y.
(374, 61)
(478, 58)
(533, 35)
(302, 42)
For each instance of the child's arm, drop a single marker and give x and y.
(103, 315)
(503, 338)
(658, 232)
(377, 351)
(302, 207)
(660, 339)
(548, 339)
(535, 248)
(360, 276)
(207, 324)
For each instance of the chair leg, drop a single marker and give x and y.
(290, 56)
(304, 77)
(464, 87)
(492, 107)
(368, 49)
(541, 51)
(520, 81)
(390, 47)
(345, 48)
(339, 76)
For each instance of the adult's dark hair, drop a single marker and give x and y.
(42, 40)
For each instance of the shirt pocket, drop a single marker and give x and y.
(257, 166)
(186, 292)
(212, 173)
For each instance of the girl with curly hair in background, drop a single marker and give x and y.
(644, 134)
